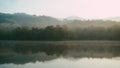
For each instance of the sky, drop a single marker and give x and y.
(89, 9)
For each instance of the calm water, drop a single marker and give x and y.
(60, 54)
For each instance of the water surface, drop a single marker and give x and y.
(59, 54)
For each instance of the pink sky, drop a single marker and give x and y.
(64, 8)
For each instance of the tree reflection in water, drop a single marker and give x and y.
(25, 52)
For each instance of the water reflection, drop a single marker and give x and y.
(30, 52)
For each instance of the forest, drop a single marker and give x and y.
(21, 26)
(61, 33)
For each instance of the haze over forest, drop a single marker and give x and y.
(26, 20)
(21, 26)
(59, 33)
(59, 20)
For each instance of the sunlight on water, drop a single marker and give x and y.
(69, 63)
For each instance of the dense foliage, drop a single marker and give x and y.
(20, 26)
(61, 33)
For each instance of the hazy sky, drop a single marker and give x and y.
(63, 8)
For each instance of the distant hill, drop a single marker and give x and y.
(74, 18)
(22, 19)
(25, 20)
(113, 19)
(91, 23)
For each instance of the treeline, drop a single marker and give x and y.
(24, 33)
(61, 33)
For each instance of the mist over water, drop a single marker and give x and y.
(96, 54)
(59, 34)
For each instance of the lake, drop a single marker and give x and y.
(59, 54)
